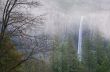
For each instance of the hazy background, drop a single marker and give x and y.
(64, 14)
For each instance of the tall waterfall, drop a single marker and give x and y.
(79, 52)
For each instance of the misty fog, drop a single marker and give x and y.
(67, 13)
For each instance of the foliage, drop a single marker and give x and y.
(95, 54)
(34, 65)
(64, 57)
(9, 56)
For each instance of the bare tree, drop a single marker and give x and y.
(14, 19)
(15, 23)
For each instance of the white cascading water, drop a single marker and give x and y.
(79, 52)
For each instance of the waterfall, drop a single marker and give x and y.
(79, 52)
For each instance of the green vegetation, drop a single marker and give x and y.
(95, 56)
(64, 57)
(9, 56)
(34, 65)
